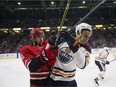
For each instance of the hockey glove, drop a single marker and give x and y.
(47, 57)
(72, 42)
(52, 40)
(55, 40)
(107, 62)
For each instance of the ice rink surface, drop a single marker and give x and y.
(14, 74)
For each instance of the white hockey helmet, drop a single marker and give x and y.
(105, 48)
(82, 26)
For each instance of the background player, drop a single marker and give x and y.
(101, 62)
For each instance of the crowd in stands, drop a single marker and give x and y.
(8, 41)
(11, 41)
(49, 22)
(103, 38)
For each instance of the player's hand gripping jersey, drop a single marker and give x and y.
(67, 61)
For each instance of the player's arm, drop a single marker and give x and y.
(81, 52)
(33, 64)
(82, 57)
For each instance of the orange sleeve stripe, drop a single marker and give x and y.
(62, 74)
(75, 43)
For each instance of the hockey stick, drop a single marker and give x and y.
(64, 15)
(114, 56)
(93, 9)
(113, 59)
(62, 21)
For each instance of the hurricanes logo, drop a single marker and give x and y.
(65, 55)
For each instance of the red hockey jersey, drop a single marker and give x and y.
(34, 58)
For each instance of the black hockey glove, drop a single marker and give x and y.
(72, 42)
(55, 40)
(107, 62)
(52, 40)
(67, 36)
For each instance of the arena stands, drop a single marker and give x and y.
(12, 41)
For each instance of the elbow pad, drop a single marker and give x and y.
(35, 64)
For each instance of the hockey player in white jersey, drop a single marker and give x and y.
(71, 54)
(101, 61)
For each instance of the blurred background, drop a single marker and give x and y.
(18, 17)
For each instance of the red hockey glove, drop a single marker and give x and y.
(49, 56)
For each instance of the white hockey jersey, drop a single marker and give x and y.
(102, 57)
(67, 62)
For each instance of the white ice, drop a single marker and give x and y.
(85, 77)
(14, 74)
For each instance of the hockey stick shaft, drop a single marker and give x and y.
(114, 56)
(62, 21)
(113, 59)
(91, 11)
(96, 7)
(64, 15)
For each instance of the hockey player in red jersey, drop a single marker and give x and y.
(38, 58)
(101, 61)
(71, 54)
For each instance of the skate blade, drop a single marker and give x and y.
(96, 85)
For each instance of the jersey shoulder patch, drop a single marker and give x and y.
(65, 55)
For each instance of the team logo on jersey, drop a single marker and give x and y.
(68, 50)
(65, 55)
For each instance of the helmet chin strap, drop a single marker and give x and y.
(78, 38)
(79, 41)
(78, 34)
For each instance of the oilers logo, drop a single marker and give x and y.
(65, 55)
